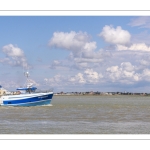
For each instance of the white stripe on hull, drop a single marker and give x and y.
(23, 96)
(28, 103)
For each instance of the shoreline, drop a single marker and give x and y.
(146, 95)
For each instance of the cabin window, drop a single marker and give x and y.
(9, 102)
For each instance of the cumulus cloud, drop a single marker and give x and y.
(115, 36)
(92, 76)
(12, 51)
(34, 83)
(71, 41)
(107, 66)
(83, 53)
(146, 74)
(88, 76)
(134, 47)
(77, 79)
(82, 78)
(127, 66)
(89, 47)
(54, 81)
(144, 62)
(75, 42)
(125, 73)
(114, 73)
(112, 69)
(14, 56)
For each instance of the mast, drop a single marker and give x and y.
(28, 83)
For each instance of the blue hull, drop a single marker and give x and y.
(34, 100)
(39, 103)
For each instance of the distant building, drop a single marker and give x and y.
(91, 93)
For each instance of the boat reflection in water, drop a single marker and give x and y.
(26, 96)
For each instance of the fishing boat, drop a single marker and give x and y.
(26, 96)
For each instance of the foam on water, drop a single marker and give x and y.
(47, 105)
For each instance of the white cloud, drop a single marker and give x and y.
(54, 81)
(15, 82)
(128, 73)
(144, 62)
(81, 65)
(12, 51)
(88, 76)
(114, 73)
(143, 22)
(75, 42)
(14, 56)
(5, 60)
(83, 54)
(107, 66)
(70, 41)
(112, 69)
(146, 74)
(134, 47)
(77, 79)
(125, 73)
(81, 60)
(127, 66)
(115, 36)
(92, 76)
(34, 83)
(89, 47)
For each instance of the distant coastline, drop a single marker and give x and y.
(91, 93)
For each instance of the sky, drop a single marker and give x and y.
(76, 53)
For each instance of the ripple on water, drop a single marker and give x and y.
(80, 115)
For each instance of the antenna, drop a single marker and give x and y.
(27, 74)
(28, 82)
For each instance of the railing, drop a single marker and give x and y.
(18, 92)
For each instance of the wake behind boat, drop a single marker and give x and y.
(26, 96)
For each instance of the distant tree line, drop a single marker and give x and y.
(100, 93)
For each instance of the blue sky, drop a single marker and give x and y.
(76, 53)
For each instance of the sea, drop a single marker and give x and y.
(115, 114)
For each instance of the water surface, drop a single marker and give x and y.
(80, 115)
